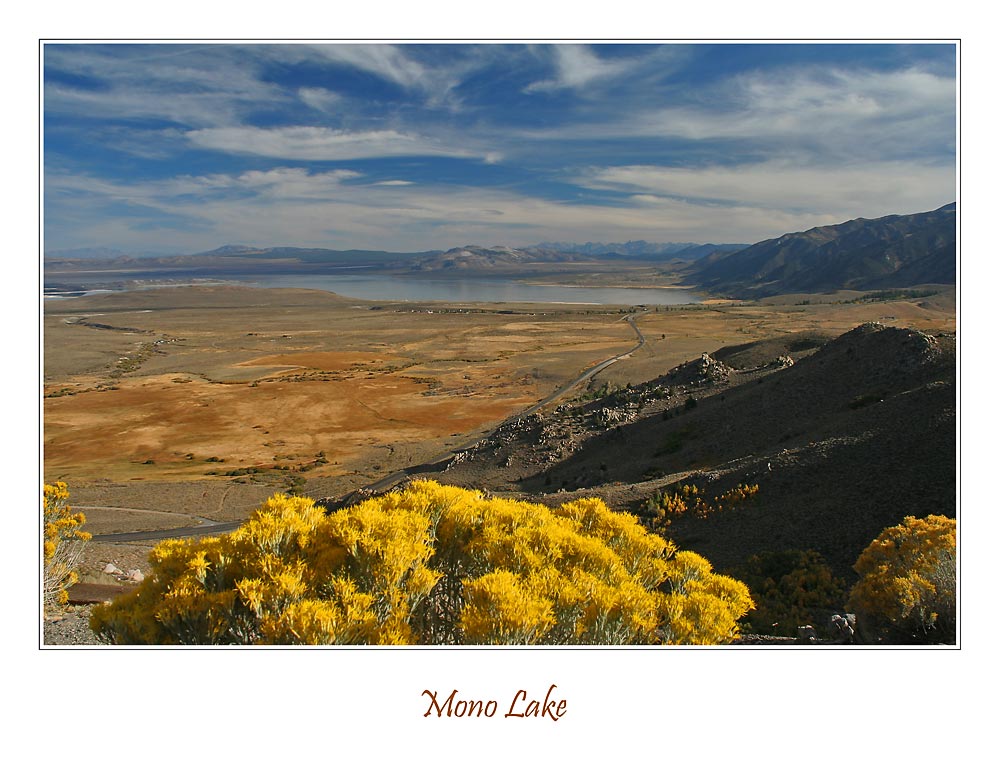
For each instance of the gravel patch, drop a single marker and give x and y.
(68, 626)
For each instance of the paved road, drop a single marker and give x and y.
(387, 482)
(215, 528)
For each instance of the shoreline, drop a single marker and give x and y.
(404, 288)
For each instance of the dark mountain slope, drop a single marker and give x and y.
(852, 437)
(640, 249)
(863, 254)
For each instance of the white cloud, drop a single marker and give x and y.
(320, 99)
(836, 191)
(282, 184)
(192, 85)
(577, 66)
(292, 206)
(317, 143)
(385, 61)
(834, 111)
(837, 115)
(435, 82)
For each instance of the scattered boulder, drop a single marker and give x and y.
(843, 628)
(710, 369)
(702, 371)
(806, 635)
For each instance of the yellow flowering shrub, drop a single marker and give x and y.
(62, 543)
(430, 564)
(908, 577)
(665, 506)
(701, 605)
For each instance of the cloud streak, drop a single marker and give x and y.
(833, 114)
(188, 85)
(833, 191)
(576, 66)
(319, 143)
(290, 205)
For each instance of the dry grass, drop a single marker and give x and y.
(273, 378)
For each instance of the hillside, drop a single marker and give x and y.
(863, 254)
(843, 436)
(642, 250)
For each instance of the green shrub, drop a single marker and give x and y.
(789, 588)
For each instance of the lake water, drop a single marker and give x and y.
(383, 287)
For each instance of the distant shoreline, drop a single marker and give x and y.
(378, 285)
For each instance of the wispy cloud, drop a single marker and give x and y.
(846, 112)
(189, 85)
(317, 143)
(834, 191)
(385, 61)
(829, 114)
(320, 99)
(409, 67)
(577, 66)
(289, 205)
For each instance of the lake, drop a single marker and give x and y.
(384, 287)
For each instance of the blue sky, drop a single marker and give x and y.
(185, 147)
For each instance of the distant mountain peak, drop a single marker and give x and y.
(231, 250)
(896, 251)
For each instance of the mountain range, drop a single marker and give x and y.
(897, 251)
(642, 250)
(862, 254)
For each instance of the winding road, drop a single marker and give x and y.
(396, 477)
(389, 481)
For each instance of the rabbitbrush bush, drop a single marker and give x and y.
(62, 543)
(428, 565)
(908, 578)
